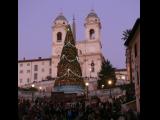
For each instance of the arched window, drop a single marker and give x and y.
(92, 34)
(59, 37)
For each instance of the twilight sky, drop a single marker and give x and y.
(35, 18)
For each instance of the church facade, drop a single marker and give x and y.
(38, 71)
(89, 50)
(89, 53)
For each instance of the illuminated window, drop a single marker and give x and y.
(123, 77)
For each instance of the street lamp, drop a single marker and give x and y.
(33, 85)
(102, 86)
(87, 88)
(110, 83)
(40, 88)
(32, 91)
(90, 72)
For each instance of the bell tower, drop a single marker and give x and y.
(58, 36)
(92, 27)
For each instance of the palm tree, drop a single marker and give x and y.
(107, 73)
(126, 34)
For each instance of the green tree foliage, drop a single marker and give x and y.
(107, 73)
(126, 34)
(130, 91)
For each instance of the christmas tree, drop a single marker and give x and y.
(69, 74)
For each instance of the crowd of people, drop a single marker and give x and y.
(47, 109)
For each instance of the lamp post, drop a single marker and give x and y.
(40, 88)
(32, 91)
(87, 89)
(110, 83)
(90, 72)
(102, 86)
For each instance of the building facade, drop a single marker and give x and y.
(90, 56)
(89, 52)
(33, 70)
(133, 59)
(121, 76)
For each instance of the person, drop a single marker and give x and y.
(69, 114)
(131, 115)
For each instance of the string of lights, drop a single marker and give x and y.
(67, 74)
(63, 56)
(69, 44)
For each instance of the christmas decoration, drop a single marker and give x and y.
(69, 75)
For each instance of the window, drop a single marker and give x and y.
(21, 65)
(59, 37)
(135, 50)
(28, 71)
(42, 69)
(137, 78)
(28, 80)
(35, 76)
(35, 67)
(92, 34)
(80, 52)
(28, 64)
(50, 62)
(21, 71)
(20, 80)
(50, 71)
(123, 77)
(63, 22)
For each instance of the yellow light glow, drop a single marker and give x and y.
(33, 85)
(87, 84)
(110, 82)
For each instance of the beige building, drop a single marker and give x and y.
(33, 70)
(133, 59)
(121, 76)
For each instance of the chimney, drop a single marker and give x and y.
(39, 57)
(24, 58)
